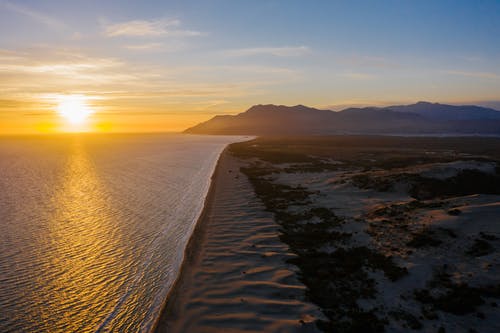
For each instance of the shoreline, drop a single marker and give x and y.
(194, 245)
(236, 276)
(377, 222)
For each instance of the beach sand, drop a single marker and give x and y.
(235, 277)
(391, 234)
(386, 234)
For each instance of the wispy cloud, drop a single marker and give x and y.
(481, 75)
(151, 28)
(126, 85)
(33, 14)
(144, 47)
(208, 104)
(59, 71)
(285, 51)
(67, 71)
(61, 68)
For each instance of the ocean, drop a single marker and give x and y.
(94, 227)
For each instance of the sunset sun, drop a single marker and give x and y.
(74, 109)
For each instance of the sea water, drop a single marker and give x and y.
(93, 227)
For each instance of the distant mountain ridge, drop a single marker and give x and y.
(417, 119)
(448, 112)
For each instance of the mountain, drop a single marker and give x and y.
(448, 112)
(420, 118)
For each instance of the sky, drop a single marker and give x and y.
(167, 65)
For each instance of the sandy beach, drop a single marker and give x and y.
(345, 234)
(235, 277)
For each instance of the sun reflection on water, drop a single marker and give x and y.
(85, 249)
(94, 227)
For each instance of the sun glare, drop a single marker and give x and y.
(74, 109)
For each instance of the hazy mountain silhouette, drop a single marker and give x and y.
(419, 118)
(448, 112)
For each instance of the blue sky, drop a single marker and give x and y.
(193, 59)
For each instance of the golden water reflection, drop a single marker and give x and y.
(85, 252)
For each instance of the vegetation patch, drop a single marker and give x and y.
(400, 209)
(487, 236)
(456, 298)
(466, 182)
(335, 266)
(267, 153)
(336, 280)
(425, 238)
(409, 320)
(480, 248)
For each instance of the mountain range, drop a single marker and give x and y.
(422, 118)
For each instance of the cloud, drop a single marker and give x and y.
(151, 28)
(286, 51)
(207, 104)
(35, 15)
(144, 47)
(61, 68)
(22, 72)
(481, 75)
(126, 84)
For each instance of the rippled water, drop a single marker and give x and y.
(93, 227)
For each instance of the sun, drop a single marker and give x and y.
(74, 109)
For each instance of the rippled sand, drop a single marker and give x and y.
(236, 278)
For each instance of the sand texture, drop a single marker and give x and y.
(346, 234)
(391, 234)
(235, 277)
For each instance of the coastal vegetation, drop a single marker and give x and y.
(349, 262)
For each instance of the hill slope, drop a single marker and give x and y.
(419, 118)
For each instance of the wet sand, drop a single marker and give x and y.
(235, 277)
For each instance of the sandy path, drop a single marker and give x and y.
(235, 278)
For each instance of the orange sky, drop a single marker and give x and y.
(165, 66)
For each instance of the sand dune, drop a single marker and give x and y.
(383, 239)
(237, 279)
